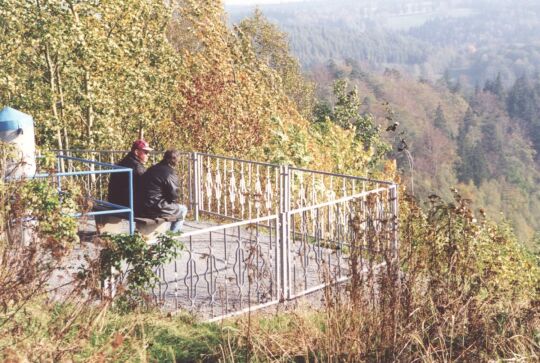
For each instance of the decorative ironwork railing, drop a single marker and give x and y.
(237, 189)
(247, 265)
(323, 236)
(310, 187)
(242, 190)
(225, 269)
(293, 231)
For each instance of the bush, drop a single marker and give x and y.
(130, 259)
(464, 290)
(36, 235)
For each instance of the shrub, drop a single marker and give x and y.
(463, 290)
(131, 261)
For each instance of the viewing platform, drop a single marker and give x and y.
(256, 234)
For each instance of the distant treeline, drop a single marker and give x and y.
(473, 40)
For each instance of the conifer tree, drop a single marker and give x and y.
(440, 121)
(523, 104)
(472, 164)
(520, 101)
(495, 87)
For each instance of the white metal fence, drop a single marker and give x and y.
(224, 270)
(291, 232)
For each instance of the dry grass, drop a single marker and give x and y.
(464, 291)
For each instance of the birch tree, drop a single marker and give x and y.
(92, 73)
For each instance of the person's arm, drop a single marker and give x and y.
(172, 188)
(139, 170)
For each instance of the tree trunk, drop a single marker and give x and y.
(62, 110)
(87, 87)
(89, 110)
(52, 86)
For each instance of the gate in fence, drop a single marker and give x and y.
(290, 232)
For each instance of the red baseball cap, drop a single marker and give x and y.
(142, 145)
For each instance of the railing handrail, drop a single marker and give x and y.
(113, 169)
(83, 172)
(229, 225)
(109, 165)
(292, 168)
(262, 163)
(105, 151)
(337, 201)
(86, 151)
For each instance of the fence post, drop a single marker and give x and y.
(284, 232)
(195, 184)
(395, 219)
(59, 167)
(131, 216)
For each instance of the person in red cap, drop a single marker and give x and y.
(119, 182)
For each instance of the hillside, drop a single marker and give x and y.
(472, 40)
(473, 143)
(459, 77)
(414, 278)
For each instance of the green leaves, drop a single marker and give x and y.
(134, 257)
(38, 200)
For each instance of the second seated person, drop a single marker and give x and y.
(160, 191)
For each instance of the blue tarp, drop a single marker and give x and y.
(11, 119)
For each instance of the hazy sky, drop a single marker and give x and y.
(255, 2)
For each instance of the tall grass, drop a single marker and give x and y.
(463, 291)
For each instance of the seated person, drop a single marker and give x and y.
(119, 183)
(160, 191)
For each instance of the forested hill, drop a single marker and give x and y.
(472, 40)
(485, 145)
(460, 77)
(97, 74)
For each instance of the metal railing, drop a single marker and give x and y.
(293, 231)
(98, 186)
(243, 189)
(321, 237)
(82, 174)
(248, 265)
(240, 189)
(225, 270)
(235, 188)
(310, 187)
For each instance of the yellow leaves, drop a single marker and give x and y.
(110, 57)
(335, 149)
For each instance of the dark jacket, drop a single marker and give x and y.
(119, 182)
(160, 196)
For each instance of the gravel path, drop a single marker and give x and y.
(223, 272)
